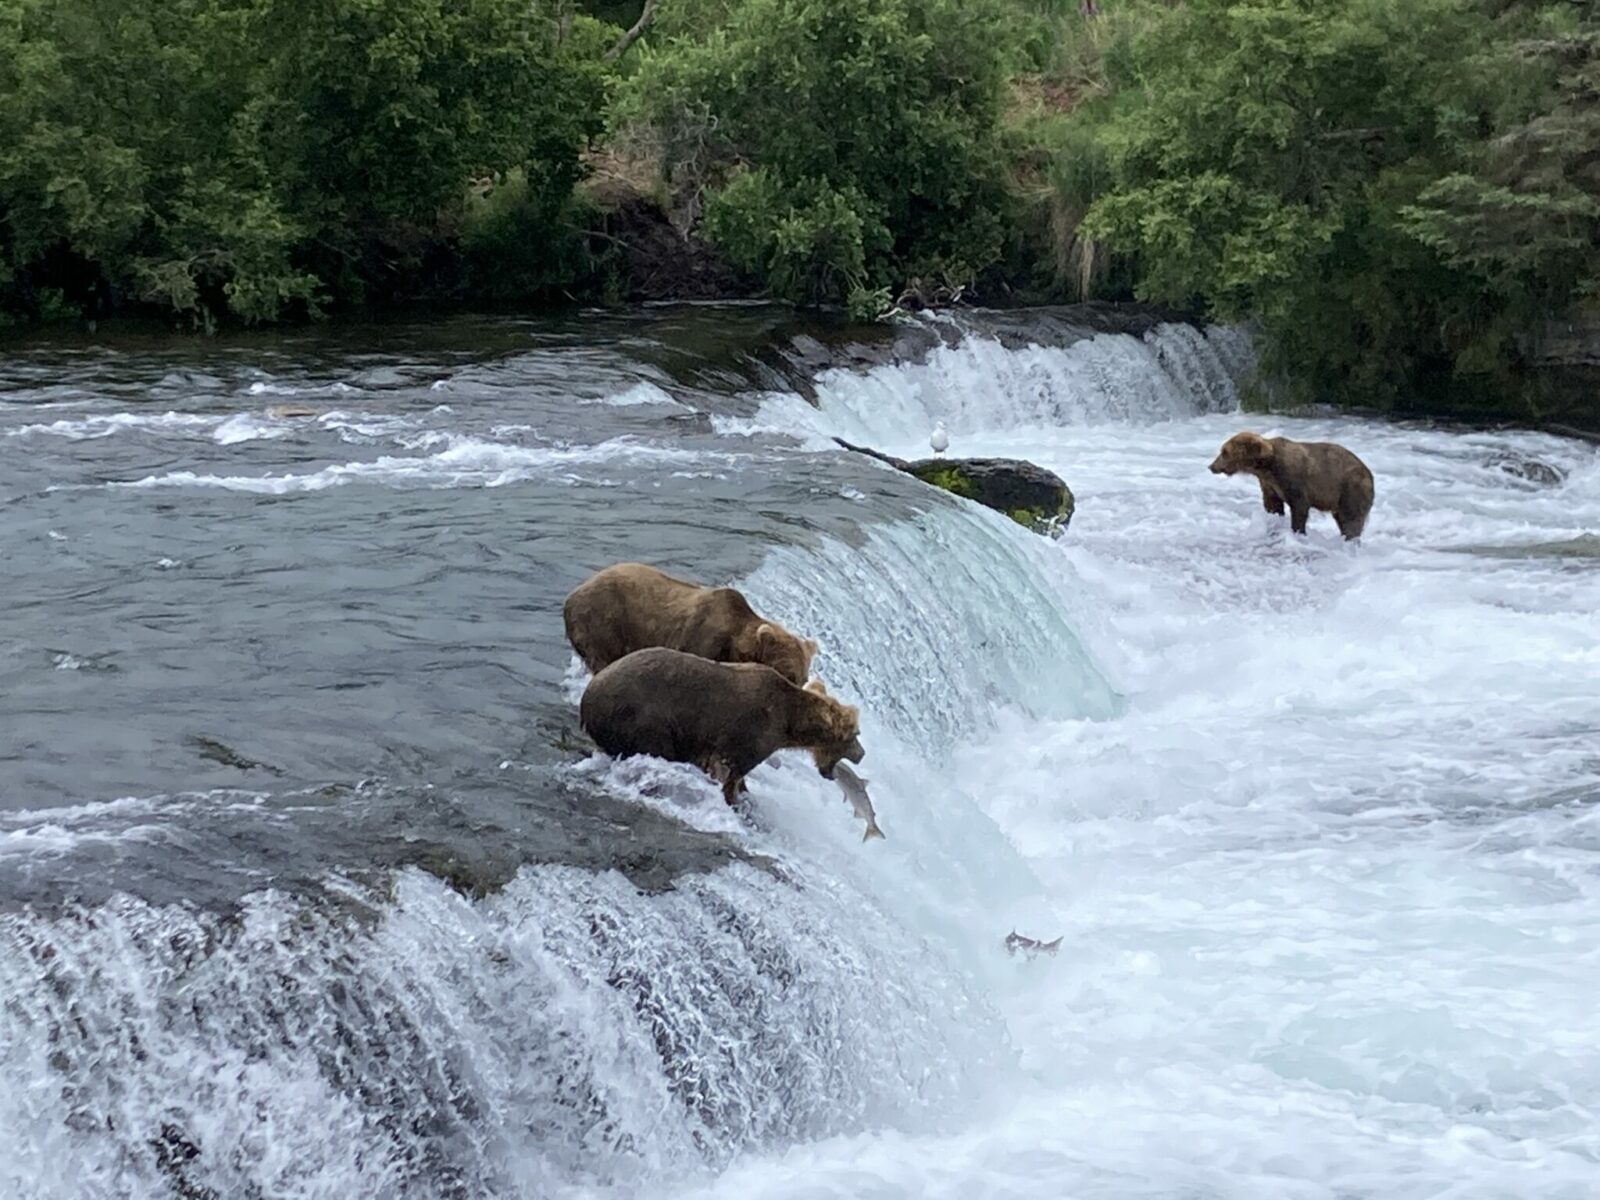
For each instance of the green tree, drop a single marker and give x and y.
(848, 144)
(251, 158)
(1525, 219)
(1269, 168)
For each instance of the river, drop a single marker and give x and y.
(310, 885)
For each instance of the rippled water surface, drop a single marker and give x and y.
(311, 887)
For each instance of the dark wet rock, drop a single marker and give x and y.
(220, 752)
(596, 832)
(839, 343)
(1030, 495)
(697, 423)
(1529, 469)
(474, 833)
(1063, 325)
(1584, 546)
(176, 1155)
(1570, 431)
(771, 347)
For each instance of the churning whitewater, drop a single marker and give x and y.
(1315, 822)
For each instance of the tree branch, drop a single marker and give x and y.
(634, 34)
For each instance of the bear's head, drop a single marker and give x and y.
(835, 732)
(1242, 452)
(786, 654)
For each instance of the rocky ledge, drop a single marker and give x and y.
(1031, 496)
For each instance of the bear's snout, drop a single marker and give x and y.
(1219, 466)
(828, 760)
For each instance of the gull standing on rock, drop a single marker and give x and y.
(940, 441)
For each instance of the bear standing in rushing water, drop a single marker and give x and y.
(630, 606)
(725, 718)
(1303, 476)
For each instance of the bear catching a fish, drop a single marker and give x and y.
(726, 718)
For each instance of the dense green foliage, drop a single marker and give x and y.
(253, 158)
(1405, 194)
(858, 140)
(1339, 169)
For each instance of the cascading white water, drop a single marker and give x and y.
(1315, 823)
(1326, 881)
(937, 624)
(566, 1033)
(979, 383)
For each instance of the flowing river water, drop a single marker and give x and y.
(310, 886)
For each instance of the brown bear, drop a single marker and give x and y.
(1302, 475)
(630, 606)
(725, 718)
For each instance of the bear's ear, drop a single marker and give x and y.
(816, 688)
(765, 634)
(811, 649)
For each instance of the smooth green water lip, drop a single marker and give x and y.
(1586, 545)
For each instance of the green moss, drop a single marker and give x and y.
(951, 480)
(1040, 521)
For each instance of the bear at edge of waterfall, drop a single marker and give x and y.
(631, 606)
(725, 718)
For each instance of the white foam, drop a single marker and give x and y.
(628, 1061)
(465, 462)
(1327, 883)
(939, 624)
(108, 424)
(232, 429)
(27, 832)
(979, 384)
(676, 790)
(248, 427)
(640, 395)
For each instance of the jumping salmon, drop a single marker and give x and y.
(855, 790)
(1015, 941)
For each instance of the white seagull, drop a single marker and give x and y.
(940, 441)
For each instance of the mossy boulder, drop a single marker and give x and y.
(1031, 496)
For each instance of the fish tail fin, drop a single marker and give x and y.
(872, 832)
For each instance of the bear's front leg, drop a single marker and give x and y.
(1270, 500)
(1299, 505)
(733, 785)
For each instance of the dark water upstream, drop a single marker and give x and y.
(310, 886)
(353, 619)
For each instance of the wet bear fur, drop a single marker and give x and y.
(1302, 476)
(725, 718)
(631, 606)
